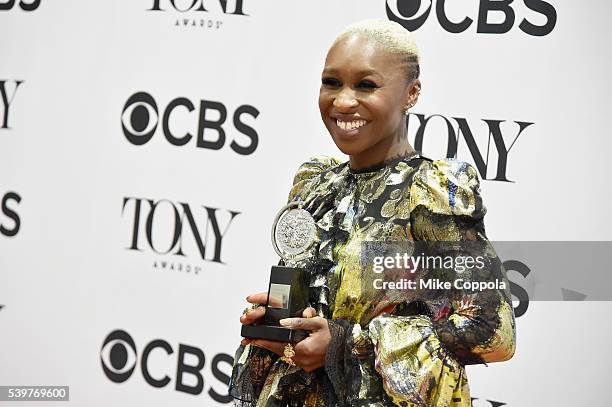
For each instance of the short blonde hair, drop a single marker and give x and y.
(392, 37)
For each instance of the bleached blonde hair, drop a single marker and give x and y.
(392, 37)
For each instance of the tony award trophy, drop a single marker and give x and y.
(294, 234)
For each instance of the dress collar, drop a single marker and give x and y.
(387, 163)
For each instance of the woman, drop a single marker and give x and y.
(368, 347)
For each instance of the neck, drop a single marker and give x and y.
(400, 147)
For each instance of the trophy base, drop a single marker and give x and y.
(273, 333)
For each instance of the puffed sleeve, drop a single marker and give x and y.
(446, 205)
(415, 354)
(253, 366)
(308, 174)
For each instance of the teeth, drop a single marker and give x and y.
(355, 124)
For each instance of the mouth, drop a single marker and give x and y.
(349, 127)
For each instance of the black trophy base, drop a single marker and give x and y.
(273, 333)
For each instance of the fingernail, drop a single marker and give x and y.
(247, 298)
(285, 321)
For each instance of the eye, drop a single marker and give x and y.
(365, 84)
(331, 82)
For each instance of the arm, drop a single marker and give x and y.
(476, 326)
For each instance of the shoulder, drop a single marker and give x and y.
(449, 187)
(309, 171)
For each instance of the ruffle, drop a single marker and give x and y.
(326, 189)
(408, 345)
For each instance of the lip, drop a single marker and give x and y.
(346, 117)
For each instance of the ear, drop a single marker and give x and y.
(412, 94)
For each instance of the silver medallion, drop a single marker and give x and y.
(294, 232)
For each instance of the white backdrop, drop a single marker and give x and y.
(71, 271)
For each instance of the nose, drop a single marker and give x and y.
(345, 100)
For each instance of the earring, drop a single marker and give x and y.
(406, 109)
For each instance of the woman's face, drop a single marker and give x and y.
(363, 95)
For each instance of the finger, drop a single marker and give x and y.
(276, 347)
(252, 315)
(309, 324)
(309, 313)
(275, 302)
(259, 298)
(245, 341)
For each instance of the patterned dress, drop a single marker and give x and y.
(389, 347)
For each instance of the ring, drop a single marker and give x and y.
(247, 309)
(288, 353)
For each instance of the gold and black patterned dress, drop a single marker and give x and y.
(386, 350)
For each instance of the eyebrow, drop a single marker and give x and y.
(363, 72)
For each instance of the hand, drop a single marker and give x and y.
(310, 352)
(255, 315)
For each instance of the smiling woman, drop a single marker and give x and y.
(369, 82)
(372, 347)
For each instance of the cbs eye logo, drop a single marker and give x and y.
(141, 117)
(411, 14)
(118, 356)
(24, 5)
